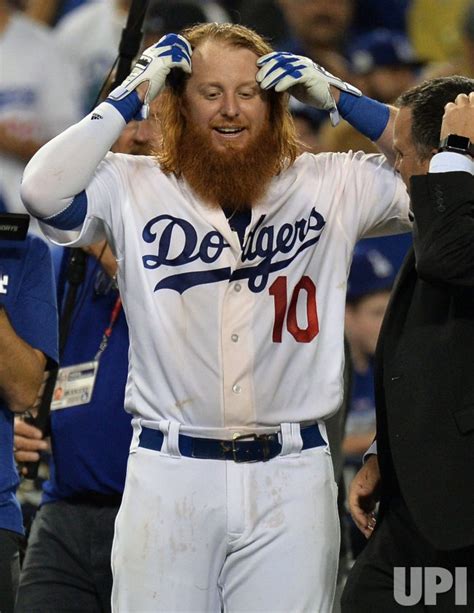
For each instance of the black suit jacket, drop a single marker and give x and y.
(424, 367)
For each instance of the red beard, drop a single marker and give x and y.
(235, 179)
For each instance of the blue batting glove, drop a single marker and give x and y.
(305, 80)
(154, 65)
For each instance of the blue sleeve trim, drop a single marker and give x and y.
(72, 216)
(129, 107)
(367, 116)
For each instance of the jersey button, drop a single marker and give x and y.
(236, 388)
(237, 287)
(234, 338)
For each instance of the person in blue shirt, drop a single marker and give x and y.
(67, 563)
(368, 291)
(28, 339)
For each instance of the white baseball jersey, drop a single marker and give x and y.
(37, 96)
(225, 339)
(89, 37)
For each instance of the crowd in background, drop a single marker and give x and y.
(57, 54)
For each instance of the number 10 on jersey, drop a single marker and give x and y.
(279, 290)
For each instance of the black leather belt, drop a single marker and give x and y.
(245, 448)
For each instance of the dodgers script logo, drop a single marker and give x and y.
(263, 245)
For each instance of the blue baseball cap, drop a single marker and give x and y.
(371, 272)
(382, 47)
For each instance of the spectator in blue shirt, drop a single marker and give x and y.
(368, 291)
(28, 338)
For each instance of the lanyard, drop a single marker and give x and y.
(108, 331)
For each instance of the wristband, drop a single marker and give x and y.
(129, 107)
(366, 115)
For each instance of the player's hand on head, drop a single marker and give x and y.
(303, 79)
(154, 65)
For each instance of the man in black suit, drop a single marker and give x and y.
(422, 467)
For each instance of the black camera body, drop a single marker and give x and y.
(14, 226)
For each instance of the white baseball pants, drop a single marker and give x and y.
(212, 535)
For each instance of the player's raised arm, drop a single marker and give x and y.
(55, 180)
(313, 85)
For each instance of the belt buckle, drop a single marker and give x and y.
(261, 438)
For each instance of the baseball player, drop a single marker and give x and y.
(233, 255)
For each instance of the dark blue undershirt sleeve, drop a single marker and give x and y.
(72, 216)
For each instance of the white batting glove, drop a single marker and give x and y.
(305, 80)
(154, 65)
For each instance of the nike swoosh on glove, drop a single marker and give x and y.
(154, 65)
(305, 80)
